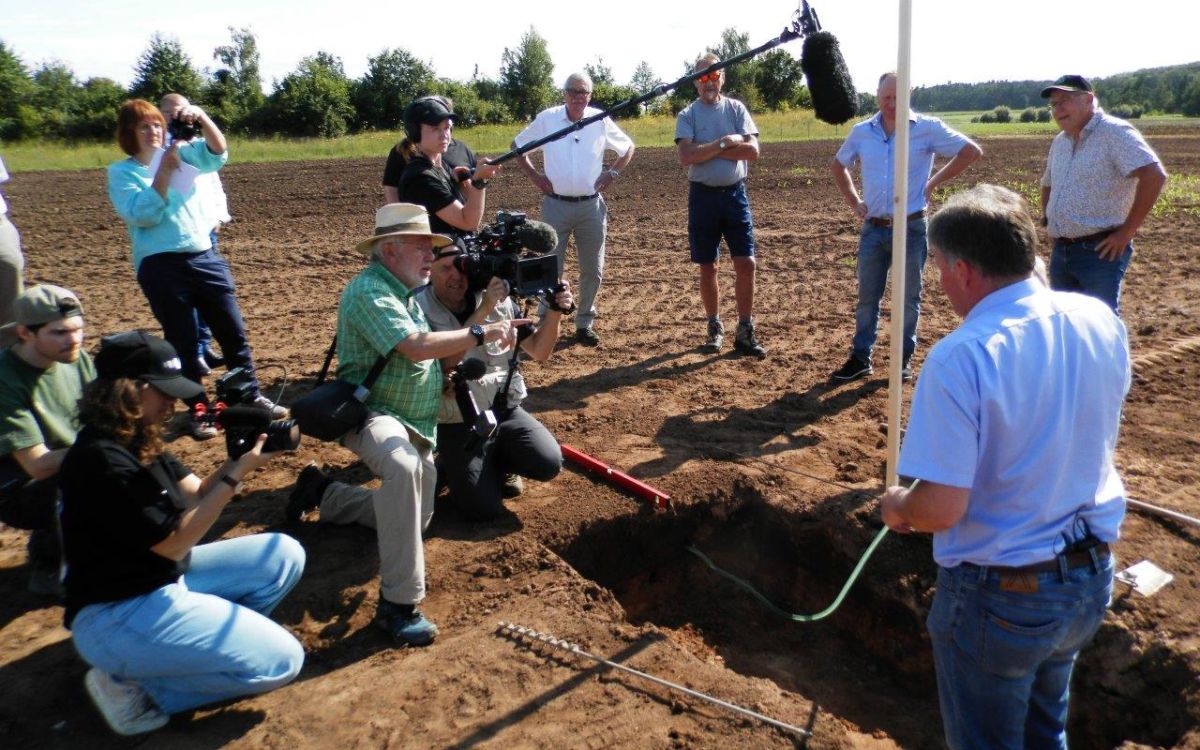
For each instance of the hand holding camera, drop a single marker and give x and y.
(187, 123)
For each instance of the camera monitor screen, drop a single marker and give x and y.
(536, 274)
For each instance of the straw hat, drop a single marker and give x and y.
(402, 219)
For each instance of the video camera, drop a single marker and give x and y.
(495, 250)
(243, 420)
(481, 421)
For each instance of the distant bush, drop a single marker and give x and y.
(1127, 112)
(1029, 114)
(1043, 115)
(988, 117)
(1002, 114)
(975, 118)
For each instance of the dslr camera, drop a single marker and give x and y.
(182, 131)
(243, 420)
(496, 250)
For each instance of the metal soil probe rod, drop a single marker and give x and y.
(508, 628)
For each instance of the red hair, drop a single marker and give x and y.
(133, 112)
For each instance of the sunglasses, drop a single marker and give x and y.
(713, 76)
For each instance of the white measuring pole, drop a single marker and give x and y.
(899, 239)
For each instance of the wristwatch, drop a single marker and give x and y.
(477, 331)
(614, 173)
(721, 144)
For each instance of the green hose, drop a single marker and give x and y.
(799, 618)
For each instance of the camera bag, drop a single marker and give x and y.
(336, 407)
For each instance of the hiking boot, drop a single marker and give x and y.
(202, 367)
(513, 486)
(211, 358)
(587, 336)
(854, 369)
(405, 623)
(716, 337)
(306, 495)
(745, 341)
(277, 411)
(124, 705)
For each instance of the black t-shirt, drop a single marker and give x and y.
(114, 510)
(430, 186)
(458, 154)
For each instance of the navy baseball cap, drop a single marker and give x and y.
(1067, 83)
(142, 356)
(430, 110)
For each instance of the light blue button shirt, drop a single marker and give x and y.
(871, 146)
(1021, 404)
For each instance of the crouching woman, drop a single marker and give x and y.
(166, 623)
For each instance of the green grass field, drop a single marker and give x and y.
(797, 125)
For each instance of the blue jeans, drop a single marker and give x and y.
(180, 285)
(1075, 267)
(206, 637)
(1004, 658)
(874, 260)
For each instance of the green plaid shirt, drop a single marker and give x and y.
(376, 313)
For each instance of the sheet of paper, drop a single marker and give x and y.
(1146, 578)
(183, 179)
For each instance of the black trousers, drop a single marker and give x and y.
(474, 470)
(34, 506)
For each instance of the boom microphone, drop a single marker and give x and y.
(834, 98)
(471, 369)
(538, 236)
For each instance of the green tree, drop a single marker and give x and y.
(55, 98)
(780, 80)
(600, 73)
(236, 93)
(1190, 98)
(96, 107)
(165, 68)
(525, 76)
(393, 79)
(313, 100)
(643, 82)
(739, 79)
(471, 108)
(16, 86)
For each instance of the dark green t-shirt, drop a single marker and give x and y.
(39, 406)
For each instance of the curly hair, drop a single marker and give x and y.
(114, 408)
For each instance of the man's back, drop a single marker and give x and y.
(1022, 404)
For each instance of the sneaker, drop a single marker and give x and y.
(201, 431)
(906, 371)
(125, 706)
(277, 411)
(587, 336)
(854, 369)
(716, 337)
(408, 629)
(746, 342)
(306, 495)
(513, 486)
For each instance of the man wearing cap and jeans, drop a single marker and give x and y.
(872, 143)
(573, 183)
(379, 316)
(1101, 181)
(41, 380)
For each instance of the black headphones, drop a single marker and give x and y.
(412, 126)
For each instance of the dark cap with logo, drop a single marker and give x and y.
(141, 356)
(1067, 83)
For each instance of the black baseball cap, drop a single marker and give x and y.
(430, 110)
(143, 356)
(1067, 83)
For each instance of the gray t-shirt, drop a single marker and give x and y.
(704, 123)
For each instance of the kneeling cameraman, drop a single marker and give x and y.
(473, 468)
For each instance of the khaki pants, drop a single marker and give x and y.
(399, 510)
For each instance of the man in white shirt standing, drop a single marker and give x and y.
(572, 182)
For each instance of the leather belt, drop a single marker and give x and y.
(1074, 560)
(573, 198)
(886, 221)
(1086, 238)
(716, 188)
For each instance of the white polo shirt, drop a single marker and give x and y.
(573, 162)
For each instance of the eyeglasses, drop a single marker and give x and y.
(579, 92)
(713, 76)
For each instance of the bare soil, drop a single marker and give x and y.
(772, 472)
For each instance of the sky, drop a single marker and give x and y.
(953, 40)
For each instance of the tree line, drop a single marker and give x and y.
(317, 99)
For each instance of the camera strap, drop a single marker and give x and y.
(372, 376)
